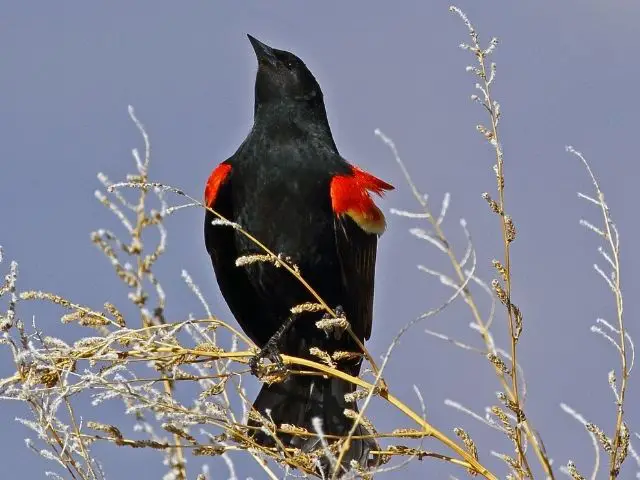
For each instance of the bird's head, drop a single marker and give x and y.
(283, 77)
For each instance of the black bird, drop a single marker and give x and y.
(289, 187)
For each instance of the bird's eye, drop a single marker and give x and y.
(289, 64)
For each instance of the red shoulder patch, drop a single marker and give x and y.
(350, 196)
(217, 178)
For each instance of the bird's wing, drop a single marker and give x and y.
(357, 254)
(220, 242)
(358, 223)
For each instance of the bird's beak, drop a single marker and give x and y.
(264, 53)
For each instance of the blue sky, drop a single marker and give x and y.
(567, 74)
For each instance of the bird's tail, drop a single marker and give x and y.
(310, 402)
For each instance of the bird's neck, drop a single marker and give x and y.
(308, 119)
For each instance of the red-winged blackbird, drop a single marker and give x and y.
(289, 187)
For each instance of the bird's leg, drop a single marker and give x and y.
(271, 349)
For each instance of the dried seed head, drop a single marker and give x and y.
(38, 295)
(500, 268)
(504, 420)
(355, 395)
(322, 355)
(623, 445)
(499, 291)
(86, 318)
(129, 278)
(262, 420)
(510, 228)
(353, 415)
(272, 374)
(245, 260)
(208, 347)
(255, 416)
(573, 471)
(408, 433)
(486, 133)
(208, 450)
(498, 363)
(517, 320)
(277, 261)
(333, 325)
(514, 464)
(360, 470)
(492, 203)
(179, 374)
(48, 377)
(136, 246)
(115, 313)
(215, 389)
(342, 355)
(307, 461)
(496, 170)
(513, 406)
(601, 436)
(139, 299)
(402, 450)
(307, 307)
(171, 428)
(468, 442)
(492, 46)
(102, 427)
(286, 427)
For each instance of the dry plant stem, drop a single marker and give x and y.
(612, 238)
(623, 354)
(77, 432)
(428, 429)
(282, 263)
(181, 467)
(118, 346)
(62, 454)
(493, 136)
(468, 297)
(142, 221)
(244, 356)
(439, 456)
(514, 393)
(613, 471)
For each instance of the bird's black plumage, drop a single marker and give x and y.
(289, 187)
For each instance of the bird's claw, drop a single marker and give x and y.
(338, 311)
(270, 351)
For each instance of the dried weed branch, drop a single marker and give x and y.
(486, 75)
(143, 365)
(510, 376)
(134, 354)
(617, 446)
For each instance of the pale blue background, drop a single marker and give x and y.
(567, 73)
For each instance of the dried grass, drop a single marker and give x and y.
(141, 358)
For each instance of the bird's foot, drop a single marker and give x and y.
(334, 325)
(271, 352)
